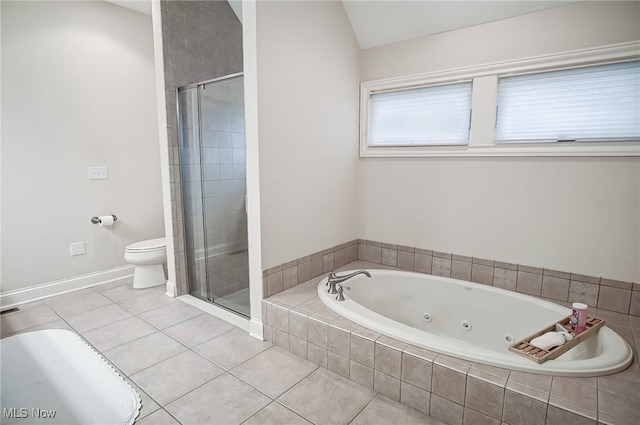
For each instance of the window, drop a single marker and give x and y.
(435, 115)
(520, 108)
(595, 103)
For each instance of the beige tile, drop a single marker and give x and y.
(614, 299)
(386, 385)
(56, 324)
(280, 318)
(281, 339)
(616, 283)
(199, 329)
(567, 394)
(298, 346)
(362, 350)
(388, 359)
(276, 414)
(338, 340)
(118, 333)
(583, 293)
(338, 364)
(555, 287)
(159, 417)
(232, 348)
(635, 303)
(273, 371)
(374, 254)
(481, 273)
(176, 376)
(298, 325)
(621, 387)
(77, 302)
(382, 410)
(361, 374)
(405, 260)
(169, 315)
(522, 410)
(317, 332)
(148, 406)
(326, 398)
(30, 315)
(529, 384)
(529, 283)
(448, 383)
(471, 417)
(124, 292)
(304, 271)
(484, 397)
(414, 397)
(618, 407)
(389, 257)
(98, 317)
(585, 278)
(224, 400)
(417, 371)
(505, 278)
(423, 263)
(440, 266)
(446, 411)
(144, 352)
(556, 416)
(317, 355)
(460, 270)
(147, 302)
(290, 277)
(275, 283)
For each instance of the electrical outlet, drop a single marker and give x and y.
(77, 248)
(98, 173)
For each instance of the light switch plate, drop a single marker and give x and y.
(77, 248)
(98, 173)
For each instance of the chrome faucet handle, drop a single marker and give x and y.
(332, 275)
(332, 287)
(341, 288)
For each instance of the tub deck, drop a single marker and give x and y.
(447, 388)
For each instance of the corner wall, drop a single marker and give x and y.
(308, 125)
(77, 91)
(571, 214)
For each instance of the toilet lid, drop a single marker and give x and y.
(149, 245)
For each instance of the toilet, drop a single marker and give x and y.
(148, 258)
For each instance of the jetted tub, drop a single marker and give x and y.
(470, 321)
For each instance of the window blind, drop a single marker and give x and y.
(595, 103)
(436, 115)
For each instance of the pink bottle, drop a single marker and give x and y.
(578, 318)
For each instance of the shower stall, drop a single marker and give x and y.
(213, 169)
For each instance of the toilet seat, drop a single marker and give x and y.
(147, 246)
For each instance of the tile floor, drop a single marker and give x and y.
(192, 368)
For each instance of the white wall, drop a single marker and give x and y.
(308, 108)
(570, 214)
(77, 91)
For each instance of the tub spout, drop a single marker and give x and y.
(334, 279)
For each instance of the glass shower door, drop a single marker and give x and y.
(214, 174)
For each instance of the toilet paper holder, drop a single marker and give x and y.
(96, 220)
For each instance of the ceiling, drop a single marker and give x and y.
(379, 22)
(376, 23)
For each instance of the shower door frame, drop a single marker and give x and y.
(196, 86)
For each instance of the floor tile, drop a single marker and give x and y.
(123, 292)
(225, 401)
(98, 317)
(118, 333)
(198, 330)
(327, 398)
(160, 417)
(77, 302)
(56, 324)
(274, 371)
(171, 314)
(383, 410)
(176, 376)
(276, 414)
(28, 316)
(232, 348)
(143, 303)
(148, 405)
(144, 352)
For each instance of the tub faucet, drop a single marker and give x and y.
(334, 279)
(341, 288)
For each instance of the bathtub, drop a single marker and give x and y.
(470, 321)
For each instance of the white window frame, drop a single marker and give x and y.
(484, 102)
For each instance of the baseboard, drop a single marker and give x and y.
(15, 297)
(256, 329)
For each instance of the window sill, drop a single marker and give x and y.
(590, 149)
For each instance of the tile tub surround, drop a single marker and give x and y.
(448, 389)
(556, 286)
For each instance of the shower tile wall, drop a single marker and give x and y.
(201, 40)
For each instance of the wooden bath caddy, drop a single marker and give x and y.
(538, 355)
